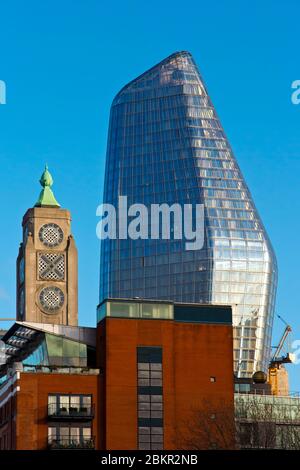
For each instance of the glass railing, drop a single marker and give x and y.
(59, 369)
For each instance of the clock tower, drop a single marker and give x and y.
(47, 263)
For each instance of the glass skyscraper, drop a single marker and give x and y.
(167, 145)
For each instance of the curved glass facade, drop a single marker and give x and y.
(166, 145)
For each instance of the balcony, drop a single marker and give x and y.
(71, 413)
(72, 443)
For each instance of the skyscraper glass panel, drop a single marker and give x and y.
(166, 145)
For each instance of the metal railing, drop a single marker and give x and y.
(72, 443)
(74, 411)
(266, 393)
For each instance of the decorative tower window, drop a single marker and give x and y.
(51, 235)
(51, 299)
(51, 266)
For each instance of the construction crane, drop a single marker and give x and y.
(288, 357)
(278, 375)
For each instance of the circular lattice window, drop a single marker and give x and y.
(51, 266)
(51, 235)
(51, 299)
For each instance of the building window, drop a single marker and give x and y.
(70, 405)
(63, 436)
(150, 406)
(150, 374)
(242, 388)
(150, 438)
(150, 398)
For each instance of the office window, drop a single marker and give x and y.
(150, 374)
(77, 405)
(150, 406)
(70, 436)
(150, 398)
(150, 438)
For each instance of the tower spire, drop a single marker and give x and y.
(46, 197)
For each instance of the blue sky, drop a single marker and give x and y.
(63, 62)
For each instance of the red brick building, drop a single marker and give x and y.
(159, 369)
(48, 393)
(32, 416)
(152, 367)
